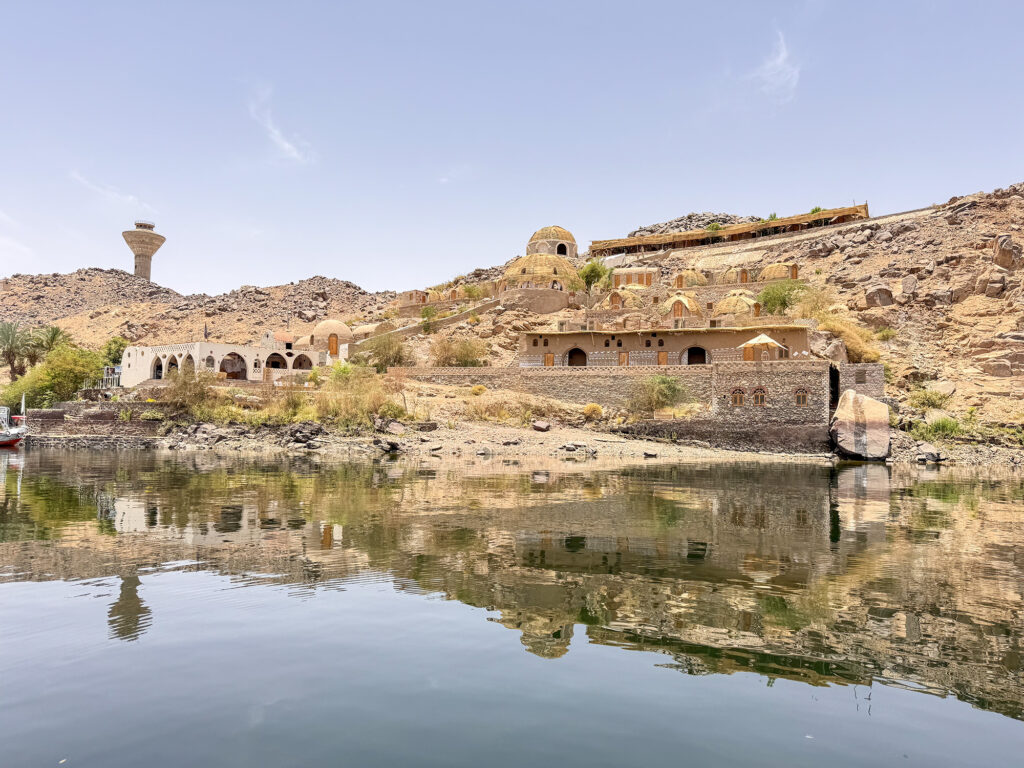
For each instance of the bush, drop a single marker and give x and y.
(927, 398)
(654, 393)
(937, 430)
(464, 353)
(188, 391)
(714, 226)
(817, 209)
(885, 334)
(114, 349)
(352, 397)
(151, 416)
(387, 351)
(477, 390)
(593, 412)
(473, 292)
(65, 370)
(776, 298)
(593, 272)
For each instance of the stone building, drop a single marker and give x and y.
(276, 355)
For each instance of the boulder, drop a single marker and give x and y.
(926, 452)
(997, 367)
(909, 284)
(541, 426)
(860, 427)
(1005, 253)
(878, 296)
(942, 387)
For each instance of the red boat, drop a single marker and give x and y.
(11, 438)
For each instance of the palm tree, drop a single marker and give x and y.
(50, 337)
(13, 343)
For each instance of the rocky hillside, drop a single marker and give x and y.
(95, 304)
(692, 221)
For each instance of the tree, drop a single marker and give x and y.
(464, 353)
(655, 392)
(59, 377)
(593, 272)
(776, 298)
(387, 351)
(51, 337)
(14, 342)
(114, 349)
(473, 292)
(714, 226)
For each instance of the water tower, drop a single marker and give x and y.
(144, 242)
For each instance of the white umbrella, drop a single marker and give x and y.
(761, 339)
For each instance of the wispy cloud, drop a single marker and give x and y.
(291, 148)
(111, 193)
(777, 76)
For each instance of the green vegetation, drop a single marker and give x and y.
(714, 226)
(945, 427)
(386, 351)
(771, 217)
(65, 370)
(473, 292)
(776, 298)
(886, 334)
(593, 272)
(428, 313)
(151, 415)
(14, 342)
(927, 398)
(114, 349)
(656, 392)
(465, 353)
(817, 209)
(817, 304)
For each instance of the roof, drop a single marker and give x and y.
(736, 303)
(284, 336)
(778, 271)
(553, 233)
(696, 235)
(543, 268)
(325, 328)
(672, 331)
(688, 299)
(691, 277)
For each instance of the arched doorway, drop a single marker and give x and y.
(158, 369)
(302, 363)
(276, 361)
(210, 363)
(556, 285)
(561, 250)
(677, 309)
(332, 344)
(744, 276)
(696, 356)
(172, 365)
(188, 366)
(576, 357)
(793, 272)
(234, 366)
(615, 300)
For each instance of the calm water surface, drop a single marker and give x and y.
(172, 611)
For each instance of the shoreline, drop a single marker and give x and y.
(470, 440)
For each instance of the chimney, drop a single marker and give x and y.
(144, 242)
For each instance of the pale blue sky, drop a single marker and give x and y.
(397, 144)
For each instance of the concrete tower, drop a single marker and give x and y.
(144, 242)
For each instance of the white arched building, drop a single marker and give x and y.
(277, 354)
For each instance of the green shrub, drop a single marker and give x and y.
(817, 209)
(387, 351)
(927, 398)
(654, 393)
(885, 334)
(464, 353)
(940, 428)
(114, 349)
(473, 292)
(65, 370)
(714, 226)
(125, 414)
(776, 298)
(593, 272)
(188, 391)
(151, 416)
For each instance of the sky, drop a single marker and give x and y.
(399, 144)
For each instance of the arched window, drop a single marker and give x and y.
(661, 342)
(561, 250)
(647, 342)
(760, 396)
(801, 397)
(535, 342)
(618, 343)
(211, 363)
(545, 342)
(555, 270)
(607, 342)
(737, 398)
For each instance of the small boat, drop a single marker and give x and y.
(9, 438)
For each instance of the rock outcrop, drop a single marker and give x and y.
(860, 427)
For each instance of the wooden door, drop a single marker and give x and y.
(332, 344)
(662, 357)
(748, 354)
(623, 358)
(549, 358)
(677, 309)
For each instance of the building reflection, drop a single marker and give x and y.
(826, 575)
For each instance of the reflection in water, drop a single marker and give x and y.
(850, 575)
(128, 615)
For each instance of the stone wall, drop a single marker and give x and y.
(80, 417)
(711, 385)
(864, 378)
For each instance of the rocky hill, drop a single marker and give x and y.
(692, 221)
(95, 304)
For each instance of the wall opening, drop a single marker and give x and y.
(302, 363)
(234, 367)
(561, 250)
(188, 366)
(696, 356)
(276, 361)
(158, 369)
(332, 344)
(576, 357)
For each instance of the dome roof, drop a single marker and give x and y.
(689, 301)
(325, 328)
(628, 299)
(733, 275)
(542, 269)
(736, 303)
(553, 233)
(779, 271)
(690, 277)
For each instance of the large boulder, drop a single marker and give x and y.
(860, 427)
(878, 296)
(1005, 253)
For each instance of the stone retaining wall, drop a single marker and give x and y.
(90, 442)
(864, 378)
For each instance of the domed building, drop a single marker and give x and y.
(681, 305)
(542, 270)
(555, 240)
(688, 278)
(327, 336)
(738, 303)
(782, 270)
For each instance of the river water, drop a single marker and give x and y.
(193, 610)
